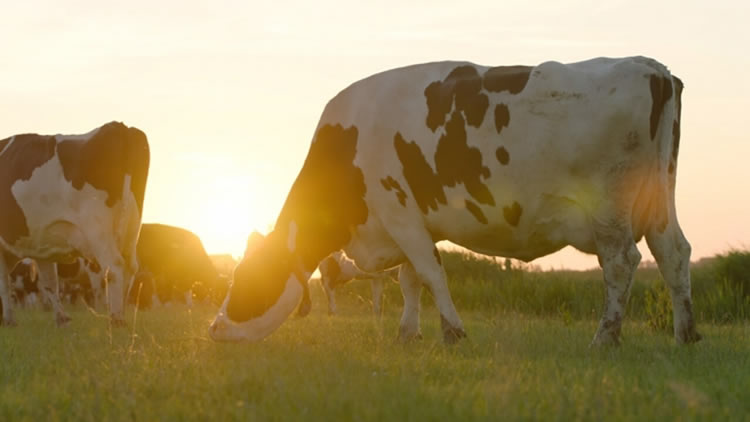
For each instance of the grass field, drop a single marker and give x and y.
(348, 367)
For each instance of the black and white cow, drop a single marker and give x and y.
(336, 270)
(513, 161)
(24, 279)
(62, 197)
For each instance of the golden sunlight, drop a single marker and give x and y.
(232, 208)
(219, 200)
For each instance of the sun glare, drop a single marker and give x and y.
(234, 209)
(219, 200)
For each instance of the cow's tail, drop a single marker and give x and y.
(667, 137)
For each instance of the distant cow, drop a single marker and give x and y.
(176, 259)
(513, 161)
(337, 270)
(67, 196)
(83, 279)
(24, 279)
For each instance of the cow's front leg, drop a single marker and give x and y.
(49, 286)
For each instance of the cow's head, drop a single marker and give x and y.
(266, 289)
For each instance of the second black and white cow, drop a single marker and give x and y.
(65, 196)
(514, 161)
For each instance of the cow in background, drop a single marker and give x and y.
(65, 196)
(24, 281)
(82, 279)
(176, 260)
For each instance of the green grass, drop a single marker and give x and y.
(512, 367)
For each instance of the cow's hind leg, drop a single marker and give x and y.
(6, 304)
(672, 253)
(326, 281)
(618, 257)
(49, 288)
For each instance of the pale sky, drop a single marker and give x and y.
(229, 92)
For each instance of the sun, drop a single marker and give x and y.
(231, 206)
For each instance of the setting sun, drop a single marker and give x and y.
(227, 203)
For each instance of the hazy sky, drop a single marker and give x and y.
(229, 92)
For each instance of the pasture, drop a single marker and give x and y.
(526, 358)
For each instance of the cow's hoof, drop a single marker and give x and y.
(408, 336)
(689, 338)
(304, 309)
(8, 322)
(118, 322)
(603, 341)
(62, 320)
(451, 334)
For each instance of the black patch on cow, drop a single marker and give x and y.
(436, 252)
(676, 124)
(18, 161)
(456, 162)
(502, 155)
(512, 214)
(507, 78)
(476, 211)
(260, 279)
(68, 270)
(103, 161)
(422, 180)
(661, 92)
(327, 199)
(389, 184)
(502, 117)
(463, 85)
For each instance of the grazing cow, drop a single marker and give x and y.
(512, 161)
(62, 197)
(337, 270)
(176, 259)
